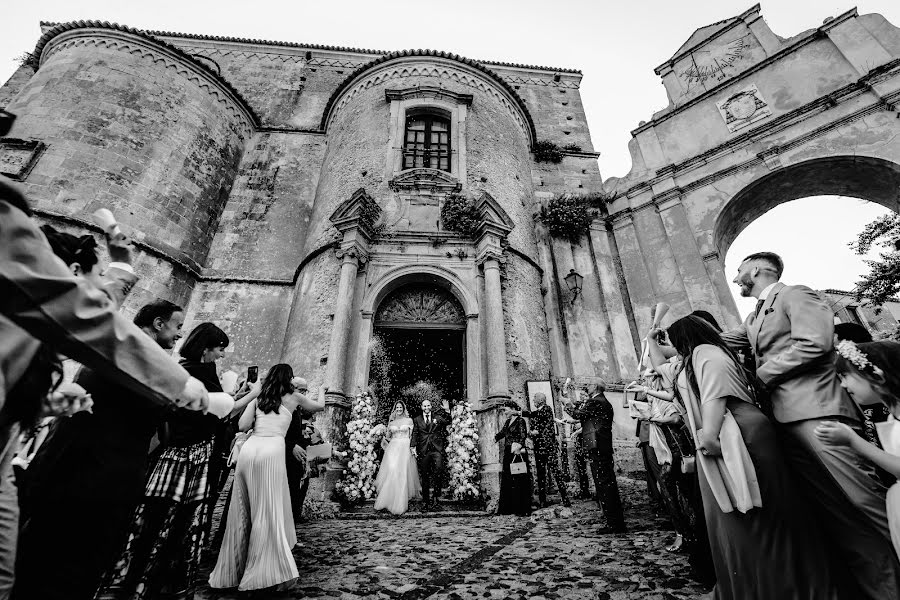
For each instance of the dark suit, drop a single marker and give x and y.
(94, 465)
(429, 438)
(792, 340)
(596, 416)
(546, 451)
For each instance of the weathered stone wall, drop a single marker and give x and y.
(253, 316)
(308, 330)
(527, 347)
(284, 87)
(125, 132)
(263, 225)
(14, 85)
(131, 127)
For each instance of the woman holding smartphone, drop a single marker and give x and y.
(170, 527)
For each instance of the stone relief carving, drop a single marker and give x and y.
(421, 304)
(18, 157)
(743, 108)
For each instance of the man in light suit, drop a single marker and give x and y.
(791, 337)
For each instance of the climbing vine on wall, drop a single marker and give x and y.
(547, 151)
(458, 213)
(369, 213)
(567, 216)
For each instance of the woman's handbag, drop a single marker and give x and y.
(518, 468)
(239, 439)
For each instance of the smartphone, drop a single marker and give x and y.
(253, 374)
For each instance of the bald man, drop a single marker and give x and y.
(546, 451)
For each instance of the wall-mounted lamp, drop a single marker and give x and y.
(573, 281)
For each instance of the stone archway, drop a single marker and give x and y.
(775, 119)
(418, 343)
(867, 178)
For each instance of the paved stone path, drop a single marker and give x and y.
(453, 558)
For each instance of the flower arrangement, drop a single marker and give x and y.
(463, 458)
(358, 484)
(458, 213)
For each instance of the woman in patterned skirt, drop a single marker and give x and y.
(170, 527)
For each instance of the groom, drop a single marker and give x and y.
(428, 443)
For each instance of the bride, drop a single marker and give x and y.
(398, 477)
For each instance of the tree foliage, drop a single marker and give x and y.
(882, 282)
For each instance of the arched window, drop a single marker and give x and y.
(427, 141)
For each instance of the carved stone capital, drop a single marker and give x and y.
(353, 251)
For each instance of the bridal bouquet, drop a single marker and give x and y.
(463, 457)
(358, 484)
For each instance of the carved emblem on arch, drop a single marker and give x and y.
(430, 180)
(420, 306)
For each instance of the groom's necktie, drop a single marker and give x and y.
(759, 306)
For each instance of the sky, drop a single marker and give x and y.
(615, 44)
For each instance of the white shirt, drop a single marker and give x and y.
(765, 293)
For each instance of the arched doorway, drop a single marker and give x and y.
(808, 213)
(418, 348)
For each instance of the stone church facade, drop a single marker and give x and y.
(246, 171)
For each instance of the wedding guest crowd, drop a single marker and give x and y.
(791, 502)
(105, 512)
(769, 445)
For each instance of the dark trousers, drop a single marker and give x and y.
(844, 494)
(604, 473)
(431, 469)
(582, 470)
(548, 466)
(651, 468)
(66, 546)
(296, 482)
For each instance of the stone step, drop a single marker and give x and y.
(446, 508)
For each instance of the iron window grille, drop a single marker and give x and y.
(427, 142)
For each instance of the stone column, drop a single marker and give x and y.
(337, 406)
(498, 380)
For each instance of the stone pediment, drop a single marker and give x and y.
(704, 33)
(425, 180)
(493, 217)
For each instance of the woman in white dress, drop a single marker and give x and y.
(259, 534)
(398, 477)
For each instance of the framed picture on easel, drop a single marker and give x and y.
(533, 388)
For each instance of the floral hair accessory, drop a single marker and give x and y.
(849, 351)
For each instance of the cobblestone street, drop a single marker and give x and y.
(454, 557)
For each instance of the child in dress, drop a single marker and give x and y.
(868, 373)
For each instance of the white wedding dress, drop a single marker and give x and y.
(398, 477)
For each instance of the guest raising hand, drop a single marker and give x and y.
(763, 544)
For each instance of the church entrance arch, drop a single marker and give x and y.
(418, 347)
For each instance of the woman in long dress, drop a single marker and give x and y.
(259, 535)
(515, 490)
(398, 476)
(763, 545)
